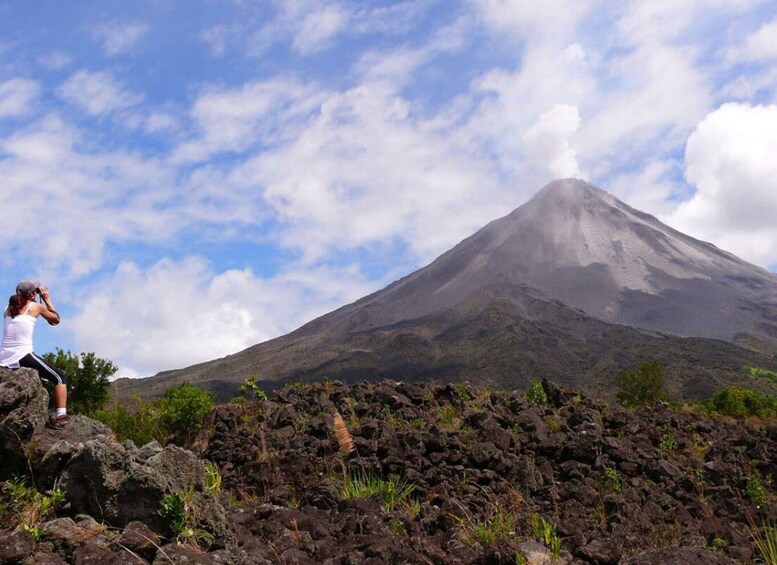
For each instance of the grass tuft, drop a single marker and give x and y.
(765, 539)
(368, 485)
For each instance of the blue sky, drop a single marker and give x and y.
(194, 177)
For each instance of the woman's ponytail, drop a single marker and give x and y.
(16, 302)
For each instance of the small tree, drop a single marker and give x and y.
(536, 394)
(251, 389)
(645, 385)
(184, 409)
(88, 379)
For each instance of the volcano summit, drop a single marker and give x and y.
(574, 285)
(584, 247)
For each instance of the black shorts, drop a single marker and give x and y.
(46, 372)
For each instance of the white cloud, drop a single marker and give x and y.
(396, 18)
(160, 122)
(216, 38)
(97, 93)
(548, 141)
(17, 96)
(311, 26)
(662, 21)
(398, 67)
(82, 198)
(234, 120)
(314, 26)
(119, 37)
(55, 60)
(550, 18)
(751, 86)
(661, 95)
(636, 91)
(759, 46)
(509, 103)
(653, 188)
(318, 27)
(178, 313)
(729, 158)
(366, 172)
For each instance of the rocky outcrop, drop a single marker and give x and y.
(115, 484)
(23, 405)
(119, 484)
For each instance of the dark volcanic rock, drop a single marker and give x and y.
(615, 487)
(680, 556)
(23, 404)
(15, 546)
(139, 539)
(121, 485)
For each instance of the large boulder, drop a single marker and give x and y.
(23, 411)
(52, 450)
(119, 483)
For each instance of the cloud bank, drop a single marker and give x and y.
(222, 180)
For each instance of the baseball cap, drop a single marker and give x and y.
(27, 286)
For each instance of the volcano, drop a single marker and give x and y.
(574, 285)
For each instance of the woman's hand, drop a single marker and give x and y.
(49, 313)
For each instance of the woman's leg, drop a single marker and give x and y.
(54, 375)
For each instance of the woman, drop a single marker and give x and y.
(16, 351)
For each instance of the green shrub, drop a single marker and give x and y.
(448, 417)
(461, 392)
(173, 509)
(535, 394)
(668, 442)
(738, 402)
(758, 373)
(251, 389)
(755, 491)
(184, 408)
(137, 420)
(25, 507)
(718, 544)
(88, 379)
(547, 534)
(611, 480)
(644, 385)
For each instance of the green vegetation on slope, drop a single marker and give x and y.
(741, 403)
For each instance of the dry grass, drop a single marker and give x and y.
(344, 439)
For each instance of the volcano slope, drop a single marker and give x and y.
(574, 286)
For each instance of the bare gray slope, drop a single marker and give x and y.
(586, 248)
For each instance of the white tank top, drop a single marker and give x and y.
(17, 338)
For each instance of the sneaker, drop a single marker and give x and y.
(58, 422)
